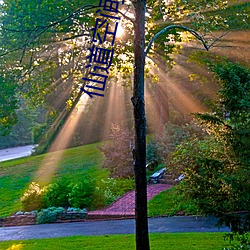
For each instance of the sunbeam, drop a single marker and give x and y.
(172, 92)
(115, 108)
(51, 161)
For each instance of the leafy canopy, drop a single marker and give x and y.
(47, 43)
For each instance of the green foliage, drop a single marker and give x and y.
(123, 185)
(88, 193)
(22, 132)
(57, 193)
(81, 194)
(242, 241)
(235, 83)
(108, 190)
(8, 105)
(45, 133)
(37, 28)
(48, 215)
(236, 16)
(166, 141)
(16, 175)
(73, 209)
(152, 156)
(32, 198)
(205, 175)
(65, 193)
(38, 132)
(34, 45)
(216, 168)
(231, 123)
(118, 154)
(103, 193)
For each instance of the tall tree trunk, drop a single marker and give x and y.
(139, 152)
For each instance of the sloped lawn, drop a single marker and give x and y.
(16, 175)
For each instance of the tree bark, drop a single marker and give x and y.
(139, 151)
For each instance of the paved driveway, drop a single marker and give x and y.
(14, 153)
(156, 225)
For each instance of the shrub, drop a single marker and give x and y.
(109, 189)
(166, 141)
(152, 155)
(73, 209)
(123, 185)
(243, 242)
(217, 168)
(209, 181)
(33, 197)
(103, 194)
(48, 215)
(38, 131)
(81, 194)
(118, 153)
(57, 193)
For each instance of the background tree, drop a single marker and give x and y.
(118, 156)
(8, 104)
(217, 168)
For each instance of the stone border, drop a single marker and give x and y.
(30, 219)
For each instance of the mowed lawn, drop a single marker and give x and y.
(170, 241)
(16, 175)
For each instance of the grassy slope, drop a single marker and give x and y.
(16, 175)
(173, 241)
(169, 203)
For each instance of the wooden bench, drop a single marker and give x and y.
(155, 177)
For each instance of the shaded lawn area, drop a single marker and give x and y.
(170, 202)
(172, 241)
(16, 175)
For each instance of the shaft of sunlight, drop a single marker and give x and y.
(52, 160)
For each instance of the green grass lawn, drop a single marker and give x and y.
(172, 241)
(169, 202)
(16, 175)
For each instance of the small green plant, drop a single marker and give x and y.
(103, 194)
(242, 241)
(33, 198)
(76, 210)
(109, 189)
(48, 215)
(57, 193)
(121, 186)
(81, 194)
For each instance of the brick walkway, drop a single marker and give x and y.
(124, 207)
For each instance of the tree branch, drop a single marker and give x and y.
(218, 38)
(37, 28)
(44, 28)
(78, 11)
(193, 32)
